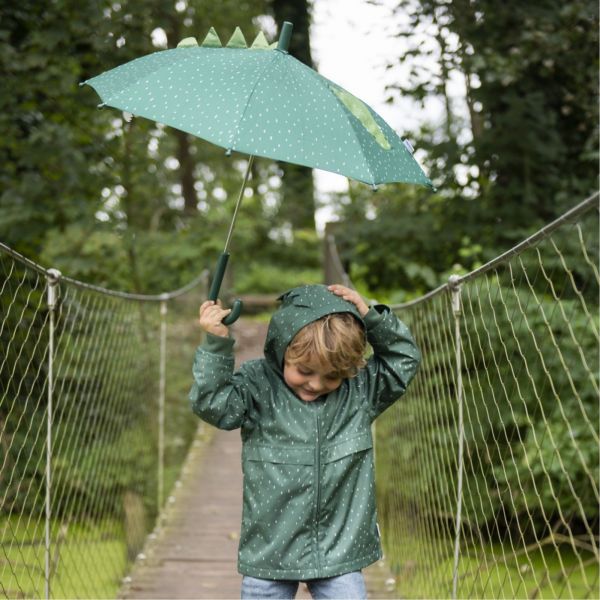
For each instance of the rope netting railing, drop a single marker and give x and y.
(487, 470)
(87, 454)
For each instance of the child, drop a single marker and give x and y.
(305, 413)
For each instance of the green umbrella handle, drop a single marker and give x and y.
(236, 309)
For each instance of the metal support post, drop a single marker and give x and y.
(161, 403)
(52, 278)
(455, 289)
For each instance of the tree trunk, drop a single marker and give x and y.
(127, 201)
(298, 205)
(444, 76)
(476, 121)
(187, 164)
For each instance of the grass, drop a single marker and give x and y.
(90, 562)
(424, 569)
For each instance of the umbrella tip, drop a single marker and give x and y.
(284, 36)
(408, 146)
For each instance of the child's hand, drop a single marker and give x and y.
(211, 315)
(350, 295)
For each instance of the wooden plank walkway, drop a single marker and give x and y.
(193, 554)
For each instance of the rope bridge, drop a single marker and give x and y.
(487, 470)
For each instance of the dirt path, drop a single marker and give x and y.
(194, 552)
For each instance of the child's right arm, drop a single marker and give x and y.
(218, 396)
(395, 357)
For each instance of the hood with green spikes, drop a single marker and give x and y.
(260, 100)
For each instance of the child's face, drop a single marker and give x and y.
(309, 381)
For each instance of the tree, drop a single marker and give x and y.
(298, 188)
(46, 145)
(523, 149)
(104, 199)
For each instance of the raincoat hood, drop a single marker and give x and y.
(299, 307)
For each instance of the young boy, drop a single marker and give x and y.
(305, 413)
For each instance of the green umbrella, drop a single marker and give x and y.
(263, 102)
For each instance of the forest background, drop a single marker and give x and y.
(141, 207)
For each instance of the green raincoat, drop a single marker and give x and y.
(309, 494)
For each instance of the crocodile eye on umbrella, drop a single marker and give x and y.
(260, 101)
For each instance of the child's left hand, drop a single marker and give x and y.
(351, 296)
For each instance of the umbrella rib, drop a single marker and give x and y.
(260, 75)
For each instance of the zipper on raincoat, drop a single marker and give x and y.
(318, 484)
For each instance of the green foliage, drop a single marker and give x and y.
(132, 206)
(265, 278)
(530, 413)
(47, 142)
(510, 152)
(400, 260)
(92, 255)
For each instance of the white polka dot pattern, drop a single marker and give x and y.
(260, 102)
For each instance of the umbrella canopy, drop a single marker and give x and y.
(261, 101)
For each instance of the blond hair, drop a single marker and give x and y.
(335, 342)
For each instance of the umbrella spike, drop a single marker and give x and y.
(237, 40)
(260, 42)
(188, 42)
(212, 39)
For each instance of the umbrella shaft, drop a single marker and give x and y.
(237, 204)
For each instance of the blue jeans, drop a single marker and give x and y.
(350, 586)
